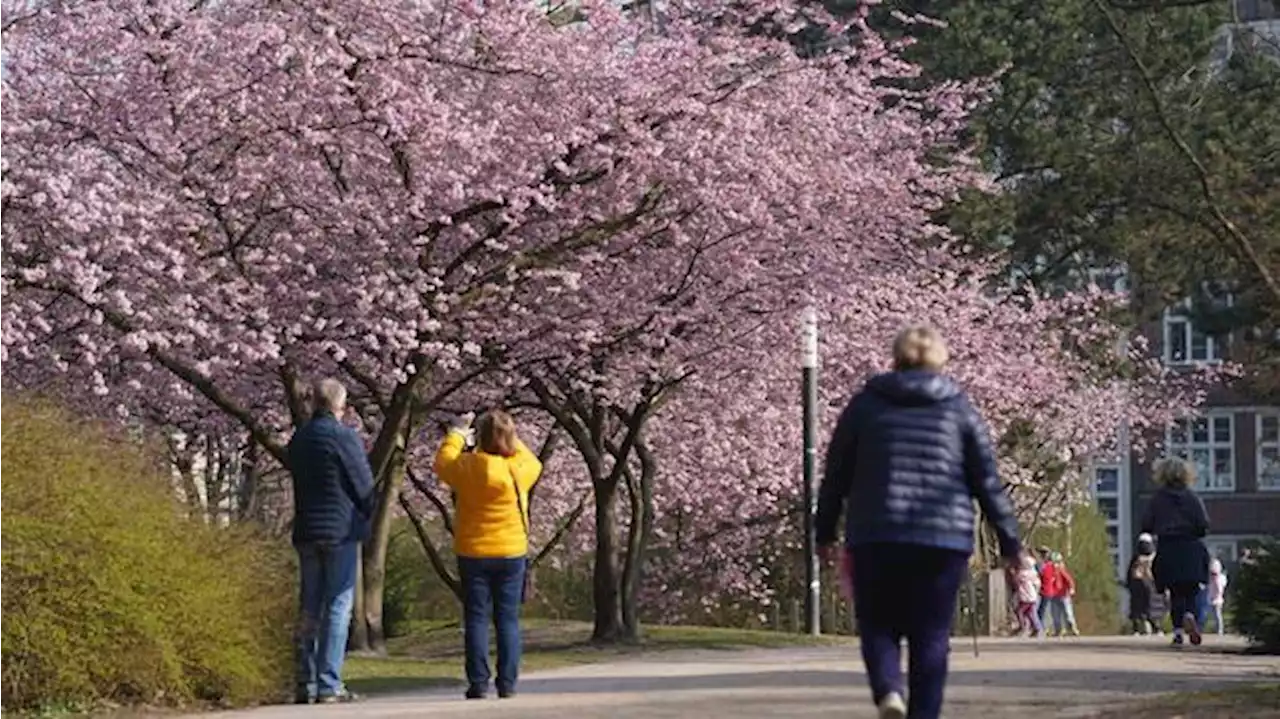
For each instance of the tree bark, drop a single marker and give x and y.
(374, 559)
(640, 495)
(608, 613)
(358, 637)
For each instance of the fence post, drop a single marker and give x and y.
(795, 616)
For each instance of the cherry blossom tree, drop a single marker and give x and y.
(1051, 375)
(208, 205)
(214, 203)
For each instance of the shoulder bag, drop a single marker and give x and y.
(526, 591)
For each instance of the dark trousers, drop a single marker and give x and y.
(1183, 601)
(903, 591)
(491, 591)
(327, 589)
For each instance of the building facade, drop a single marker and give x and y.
(1234, 440)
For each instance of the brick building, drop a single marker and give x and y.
(1233, 440)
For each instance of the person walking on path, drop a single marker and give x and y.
(333, 501)
(1177, 518)
(491, 539)
(1217, 594)
(908, 456)
(1058, 588)
(1027, 593)
(1042, 556)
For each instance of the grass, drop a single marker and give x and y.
(1257, 701)
(430, 654)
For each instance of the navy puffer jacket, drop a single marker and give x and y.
(333, 490)
(908, 457)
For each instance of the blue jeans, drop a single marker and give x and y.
(327, 593)
(492, 589)
(924, 583)
(1062, 612)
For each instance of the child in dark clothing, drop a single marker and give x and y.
(1146, 605)
(1142, 592)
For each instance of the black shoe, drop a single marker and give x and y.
(506, 693)
(476, 693)
(302, 699)
(345, 697)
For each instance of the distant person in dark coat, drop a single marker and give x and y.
(908, 457)
(333, 502)
(1177, 518)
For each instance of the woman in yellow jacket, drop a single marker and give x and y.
(491, 539)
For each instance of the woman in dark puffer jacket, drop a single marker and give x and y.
(908, 457)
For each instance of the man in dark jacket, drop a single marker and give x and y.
(908, 457)
(333, 502)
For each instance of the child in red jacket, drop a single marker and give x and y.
(1058, 587)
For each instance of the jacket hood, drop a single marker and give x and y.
(913, 387)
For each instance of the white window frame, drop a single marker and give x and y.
(1179, 313)
(1266, 443)
(1119, 550)
(1211, 542)
(1206, 482)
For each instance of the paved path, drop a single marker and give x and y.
(1055, 678)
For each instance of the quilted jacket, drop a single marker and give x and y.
(908, 458)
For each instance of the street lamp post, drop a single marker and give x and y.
(809, 364)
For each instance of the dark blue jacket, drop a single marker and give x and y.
(333, 497)
(908, 457)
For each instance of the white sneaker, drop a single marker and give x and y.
(893, 707)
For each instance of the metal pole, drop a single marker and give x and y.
(813, 623)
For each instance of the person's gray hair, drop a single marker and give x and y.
(1174, 473)
(330, 394)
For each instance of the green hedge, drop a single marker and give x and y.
(1254, 594)
(112, 595)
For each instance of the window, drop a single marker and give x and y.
(1183, 343)
(1224, 550)
(1253, 10)
(1107, 480)
(1208, 443)
(1109, 508)
(1269, 450)
(1110, 279)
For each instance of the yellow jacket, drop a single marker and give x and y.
(487, 522)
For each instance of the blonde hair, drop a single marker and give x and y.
(1174, 473)
(919, 347)
(496, 433)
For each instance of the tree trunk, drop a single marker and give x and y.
(374, 558)
(358, 638)
(608, 615)
(640, 494)
(247, 494)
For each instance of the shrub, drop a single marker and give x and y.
(112, 595)
(1083, 544)
(1255, 597)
